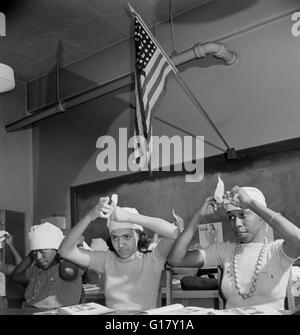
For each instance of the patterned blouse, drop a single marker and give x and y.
(46, 289)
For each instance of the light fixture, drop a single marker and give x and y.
(7, 78)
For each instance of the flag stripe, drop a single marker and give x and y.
(158, 88)
(152, 76)
(140, 147)
(151, 66)
(143, 130)
(152, 70)
(152, 92)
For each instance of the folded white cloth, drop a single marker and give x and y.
(253, 193)
(85, 246)
(3, 234)
(113, 225)
(219, 191)
(231, 203)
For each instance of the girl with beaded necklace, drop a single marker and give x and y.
(255, 271)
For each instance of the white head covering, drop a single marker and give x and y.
(113, 225)
(3, 235)
(45, 236)
(99, 244)
(253, 193)
(85, 246)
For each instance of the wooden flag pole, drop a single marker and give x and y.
(190, 94)
(180, 81)
(186, 132)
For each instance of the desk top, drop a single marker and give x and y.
(172, 309)
(19, 311)
(32, 311)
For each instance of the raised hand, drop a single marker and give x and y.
(119, 214)
(240, 197)
(9, 239)
(178, 221)
(101, 210)
(209, 206)
(104, 210)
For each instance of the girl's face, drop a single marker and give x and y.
(245, 224)
(44, 257)
(124, 241)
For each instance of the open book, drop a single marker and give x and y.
(90, 308)
(179, 309)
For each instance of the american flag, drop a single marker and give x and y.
(152, 67)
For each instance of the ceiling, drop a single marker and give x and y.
(39, 30)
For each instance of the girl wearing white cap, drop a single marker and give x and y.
(255, 271)
(50, 282)
(132, 277)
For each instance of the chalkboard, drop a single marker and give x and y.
(273, 168)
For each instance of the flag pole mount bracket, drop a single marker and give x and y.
(230, 154)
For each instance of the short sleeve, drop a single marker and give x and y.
(215, 254)
(97, 261)
(158, 259)
(277, 252)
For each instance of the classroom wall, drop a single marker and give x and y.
(252, 102)
(65, 153)
(16, 174)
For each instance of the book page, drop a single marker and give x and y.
(193, 310)
(251, 310)
(50, 312)
(164, 309)
(90, 308)
(261, 310)
(178, 309)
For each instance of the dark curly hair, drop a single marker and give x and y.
(142, 246)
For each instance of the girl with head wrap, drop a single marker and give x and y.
(255, 270)
(131, 275)
(50, 282)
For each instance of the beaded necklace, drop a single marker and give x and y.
(256, 271)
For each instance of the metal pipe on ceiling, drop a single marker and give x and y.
(69, 103)
(199, 50)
